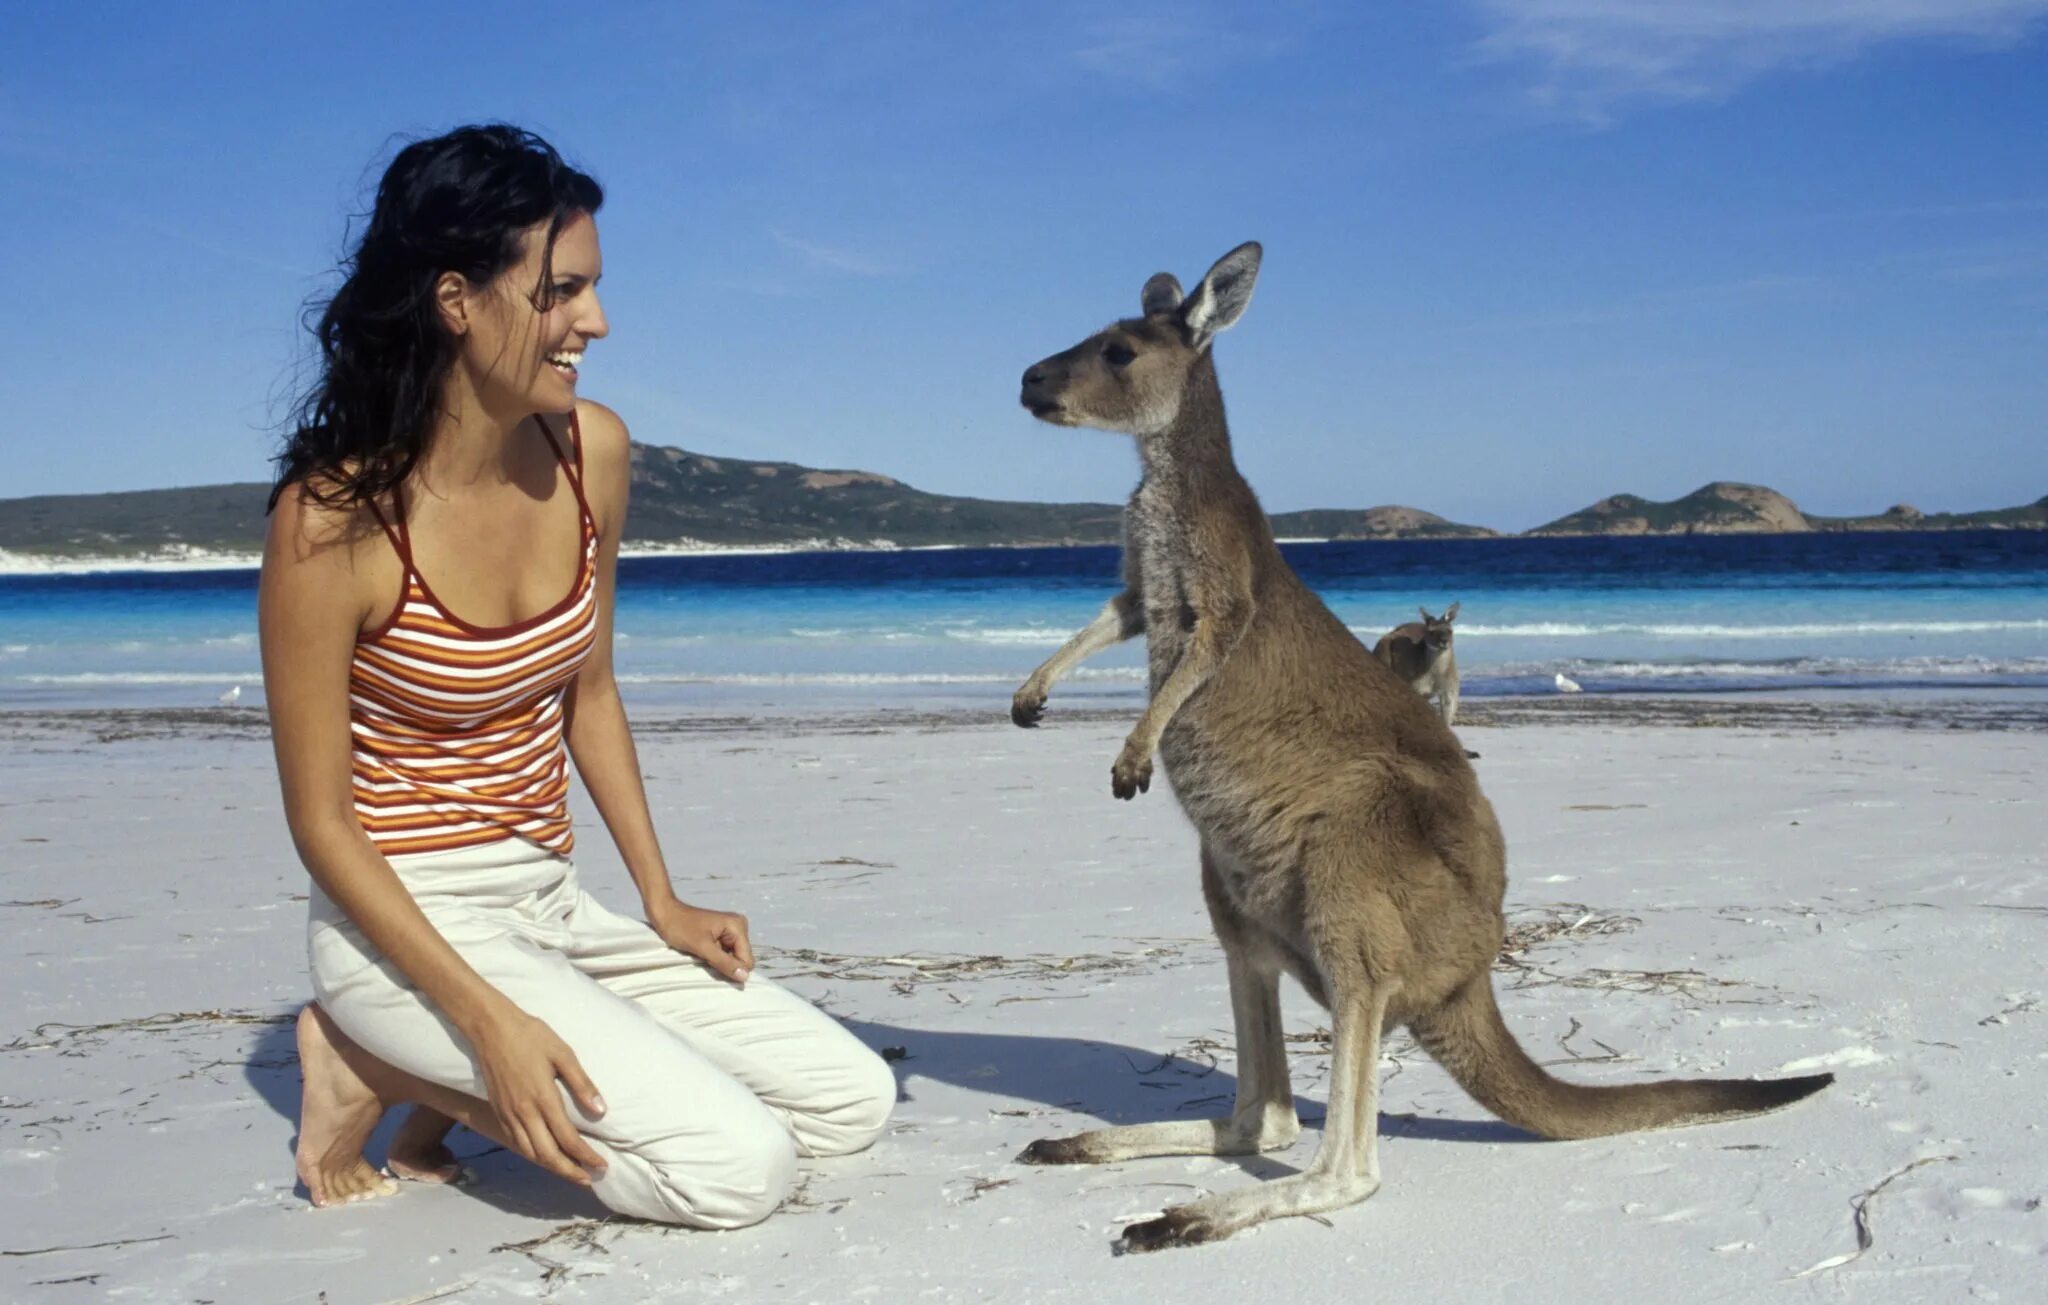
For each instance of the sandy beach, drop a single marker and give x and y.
(1724, 886)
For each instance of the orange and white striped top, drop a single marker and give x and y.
(457, 729)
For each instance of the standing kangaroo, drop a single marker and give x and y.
(1344, 837)
(1420, 652)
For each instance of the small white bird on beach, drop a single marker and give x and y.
(1567, 685)
(231, 697)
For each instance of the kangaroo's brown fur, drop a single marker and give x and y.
(1344, 837)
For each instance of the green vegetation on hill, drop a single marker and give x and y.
(1721, 507)
(2028, 516)
(679, 495)
(214, 518)
(680, 498)
(1372, 523)
(1727, 507)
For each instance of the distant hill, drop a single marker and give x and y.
(207, 518)
(686, 500)
(680, 499)
(1904, 516)
(1374, 523)
(1728, 507)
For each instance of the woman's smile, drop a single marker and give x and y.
(566, 362)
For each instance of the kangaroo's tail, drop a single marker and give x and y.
(1467, 1036)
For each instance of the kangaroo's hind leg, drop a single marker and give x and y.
(1264, 1117)
(1346, 1169)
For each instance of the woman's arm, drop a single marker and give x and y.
(601, 741)
(314, 597)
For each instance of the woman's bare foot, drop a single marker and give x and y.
(418, 1154)
(336, 1117)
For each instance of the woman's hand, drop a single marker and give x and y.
(717, 938)
(522, 1060)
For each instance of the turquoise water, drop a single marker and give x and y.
(1835, 612)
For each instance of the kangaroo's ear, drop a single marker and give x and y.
(1426, 617)
(1221, 298)
(1162, 294)
(1452, 614)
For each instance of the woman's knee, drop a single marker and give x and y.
(740, 1178)
(854, 1122)
(745, 1185)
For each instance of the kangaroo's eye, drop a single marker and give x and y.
(1118, 354)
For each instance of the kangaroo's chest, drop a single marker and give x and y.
(1441, 672)
(1157, 537)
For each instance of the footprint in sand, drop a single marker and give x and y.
(1846, 1058)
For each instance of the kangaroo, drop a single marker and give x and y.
(1420, 653)
(1344, 839)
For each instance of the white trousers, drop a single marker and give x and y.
(711, 1092)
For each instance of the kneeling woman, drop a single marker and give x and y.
(436, 614)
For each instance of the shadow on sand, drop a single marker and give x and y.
(1112, 1083)
(1105, 1081)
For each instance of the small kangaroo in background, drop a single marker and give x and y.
(1344, 837)
(1421, 653)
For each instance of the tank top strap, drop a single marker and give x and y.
(400, 540)
(572, 460)
(572, 463)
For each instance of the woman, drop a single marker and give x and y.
(436, 611)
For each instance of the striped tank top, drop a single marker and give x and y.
(456, 729)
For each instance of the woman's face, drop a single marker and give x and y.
(525, 337)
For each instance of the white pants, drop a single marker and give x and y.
(711, 1091)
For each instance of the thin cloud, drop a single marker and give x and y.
(1979, 208)
(144, 221)
(1157, 52)
(1988, 263)
(1167, 48)
(1954, 212)
(1765, 287)
(2025, 265)
(845, 261)
(1596, 57)
(2008, 269)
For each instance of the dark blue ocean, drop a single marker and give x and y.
(1663, 615)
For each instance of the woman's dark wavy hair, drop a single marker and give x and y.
(456, 203)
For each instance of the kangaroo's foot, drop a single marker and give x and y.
(337, 1114)
(1213, 1218)
(1271, 1129)
(1027, 706)
(419, 1153)
(1132, 773)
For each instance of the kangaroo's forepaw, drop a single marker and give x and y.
(1027, 707)
(1131, 775)
(1055, 1151)
(1180, 1226)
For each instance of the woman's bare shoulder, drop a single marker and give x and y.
(604, 431)
(314, 521)
(607, 460)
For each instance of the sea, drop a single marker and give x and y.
(950, 628)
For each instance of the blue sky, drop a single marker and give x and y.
(1520, 254)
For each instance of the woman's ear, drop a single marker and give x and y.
(451, 297)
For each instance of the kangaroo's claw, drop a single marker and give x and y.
(1131, 775)
(1026, 709)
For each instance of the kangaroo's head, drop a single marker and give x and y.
(1131, 376)
(1436, 630)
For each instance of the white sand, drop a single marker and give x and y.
(1875, 902)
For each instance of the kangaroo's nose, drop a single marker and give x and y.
(1034, 375)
